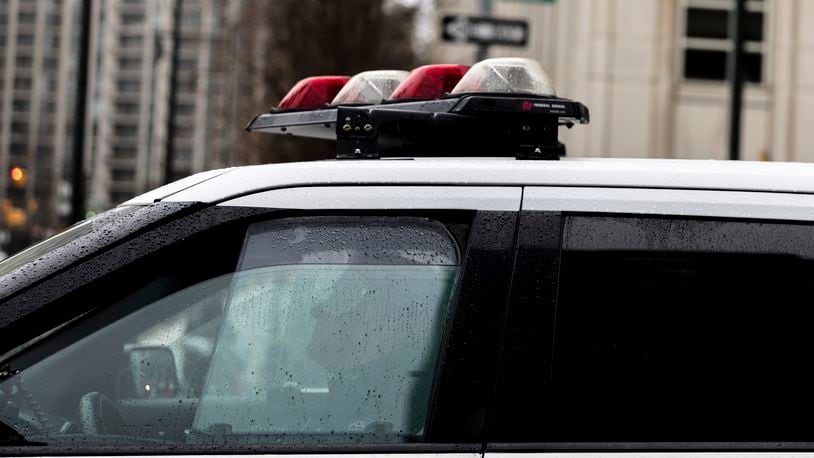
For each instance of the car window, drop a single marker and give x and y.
(328, 332)
(682, 330)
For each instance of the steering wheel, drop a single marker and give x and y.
(99, 416)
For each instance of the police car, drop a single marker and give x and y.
(391, 303)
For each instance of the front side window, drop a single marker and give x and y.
(329, 331)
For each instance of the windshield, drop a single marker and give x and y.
(63, 238)
(29, 254)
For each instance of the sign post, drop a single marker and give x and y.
(484, 9)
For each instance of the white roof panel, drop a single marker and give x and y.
(628, 173)
(169, 189)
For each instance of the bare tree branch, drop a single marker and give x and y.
(282, 41)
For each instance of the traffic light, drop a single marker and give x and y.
(14, 208)
(18, 176)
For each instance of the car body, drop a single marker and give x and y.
(466, 307)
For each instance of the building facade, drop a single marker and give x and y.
(37, 59)
(129, 85)
(653, 73)
(131, 79)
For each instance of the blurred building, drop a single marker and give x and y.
(653, 73)
(37, 59)
(130, 80)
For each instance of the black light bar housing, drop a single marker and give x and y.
(468, 125)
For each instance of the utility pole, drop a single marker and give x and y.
(169, 144)
(735, 75)
(80, 115)
(484, 9)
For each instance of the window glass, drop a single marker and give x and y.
(329, 332)
(753, 67)
(683, 330)
(753, 26)
(707, 23)
(704, 65)
(63, 238)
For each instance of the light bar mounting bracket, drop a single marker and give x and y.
(522, 126)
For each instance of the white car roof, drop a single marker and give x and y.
(219, 185)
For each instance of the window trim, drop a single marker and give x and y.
(471, 353)
(495, 198)
(538, 249)
(777, 206)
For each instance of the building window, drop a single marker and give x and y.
(22, 83)
(124, 152)
(123, 175)
(19, 127)
(132, 18)
(128, 85)
(19, 149)
(125, 130)
(184, 109)
(25, 39)
(128, 41)
(21, 105)
(129, 63)
(187, 64)
(26, 17)
(119, 196)
(705, 42)
(24, 61)
(127, 107)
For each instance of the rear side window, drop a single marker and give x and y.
(329, 332)
(683, 331)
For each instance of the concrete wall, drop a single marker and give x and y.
(622, 59)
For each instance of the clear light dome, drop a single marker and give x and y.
(370, 87)
(506, 75)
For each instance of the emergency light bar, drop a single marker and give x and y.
(370, 87)
(429, 82)
(312, 92)
(499, 107)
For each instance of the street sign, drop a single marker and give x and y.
(485, 30)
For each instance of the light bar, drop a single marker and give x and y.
(511, 75)
(499, 107)
(369, 87)
(312, 92)
(429, 82)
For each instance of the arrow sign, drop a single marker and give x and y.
(485, 30)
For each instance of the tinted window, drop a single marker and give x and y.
(329, 331)
(683, 330)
